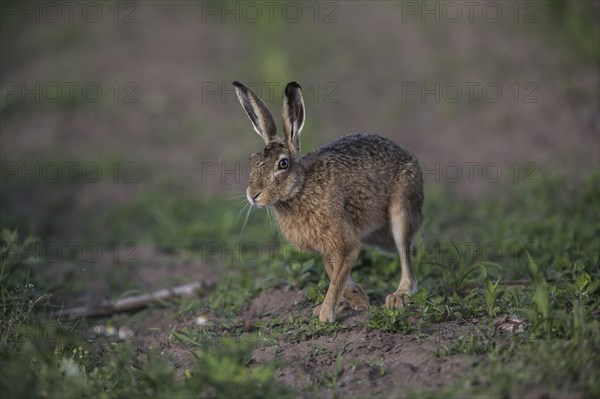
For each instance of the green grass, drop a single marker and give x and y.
(532, 253)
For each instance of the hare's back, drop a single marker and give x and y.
(362, 152)
(366, 165)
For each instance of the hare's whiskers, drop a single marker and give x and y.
(274, 224)
(236, 197)
(238, 203)
(239, 199)
(245, 206)
(245, 221)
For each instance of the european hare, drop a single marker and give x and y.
(357, 188)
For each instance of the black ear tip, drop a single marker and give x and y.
(237, 84)
(291, 86)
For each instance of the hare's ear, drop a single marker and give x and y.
(293, 115)
(257, 111)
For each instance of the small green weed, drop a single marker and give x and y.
(396, 321)
(491, 292)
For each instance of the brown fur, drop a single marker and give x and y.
(358, 188)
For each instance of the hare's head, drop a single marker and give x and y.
(276, 173)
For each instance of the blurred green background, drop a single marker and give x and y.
(119, 121)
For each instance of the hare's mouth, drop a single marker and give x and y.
(254, 198)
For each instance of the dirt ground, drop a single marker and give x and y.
(356, 362)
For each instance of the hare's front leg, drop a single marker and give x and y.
(329, 269)
(340, 266)
(352, 297)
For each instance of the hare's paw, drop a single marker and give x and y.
(326, 314)
(341, 307)
(397, 300)
(357, 298)
(317, 310)
(323, 313)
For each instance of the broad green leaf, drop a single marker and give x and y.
(583, 280)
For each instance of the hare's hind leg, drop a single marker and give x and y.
(403, 223)
(355, 296)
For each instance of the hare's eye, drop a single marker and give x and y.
(283, 163)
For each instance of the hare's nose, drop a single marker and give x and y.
(252, 198)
